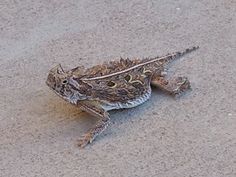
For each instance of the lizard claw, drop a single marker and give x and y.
(183, 85)
(85, 140)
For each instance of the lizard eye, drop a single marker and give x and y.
(64, 82)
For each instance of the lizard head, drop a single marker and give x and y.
(64, 85)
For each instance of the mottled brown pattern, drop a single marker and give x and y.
(111, 67)
(118, 84)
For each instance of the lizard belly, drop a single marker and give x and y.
(128, 104)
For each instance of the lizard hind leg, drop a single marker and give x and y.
(174, 87)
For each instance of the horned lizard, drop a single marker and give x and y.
(115, 85)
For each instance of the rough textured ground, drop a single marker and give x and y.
(192, 136)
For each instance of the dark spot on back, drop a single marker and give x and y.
(137, 84)
(111, 84)
(127, 78)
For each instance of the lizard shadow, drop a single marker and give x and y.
(136, 114)
(61, 114)
(78, 122)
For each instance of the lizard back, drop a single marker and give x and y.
(124, 80)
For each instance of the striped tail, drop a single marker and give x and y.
(170, 57)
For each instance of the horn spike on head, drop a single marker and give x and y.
(57, 69)
(60, 69)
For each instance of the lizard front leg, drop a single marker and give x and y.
(173, 87)
(95, 109)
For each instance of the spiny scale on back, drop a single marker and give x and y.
(124, 80)
(118, 84)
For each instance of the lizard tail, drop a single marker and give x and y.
(167, 59)
(160, 61)
(186, 51)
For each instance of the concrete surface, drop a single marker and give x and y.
(192, 136)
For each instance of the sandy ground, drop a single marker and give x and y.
(192, 136)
